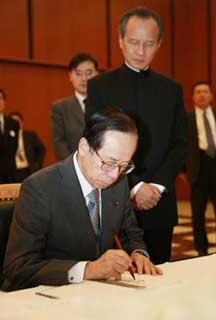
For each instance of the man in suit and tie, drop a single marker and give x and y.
(8, 143)
(156, 104)
(30, 152)
(67, 115)
(201, 160)
(60, 232)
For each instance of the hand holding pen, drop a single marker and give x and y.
(119, 246)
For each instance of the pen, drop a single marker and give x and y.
(46, 295)
(119, 246)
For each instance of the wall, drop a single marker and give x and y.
(39, 37)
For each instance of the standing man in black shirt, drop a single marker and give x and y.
(156, 104)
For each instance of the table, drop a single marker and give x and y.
(186, 291)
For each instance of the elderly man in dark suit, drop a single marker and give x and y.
(66, 216)
(201, 160)
(9, 130)
(30, 152)
(67, 115)
(155, 102)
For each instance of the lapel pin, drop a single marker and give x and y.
(116, 203)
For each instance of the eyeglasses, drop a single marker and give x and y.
(124, 167)
(86, 73)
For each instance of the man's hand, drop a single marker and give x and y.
(144, 265)
(111, 264)
(146, 197)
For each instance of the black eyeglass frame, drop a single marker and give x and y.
(111, 165)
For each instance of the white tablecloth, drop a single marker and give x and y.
(187, 290)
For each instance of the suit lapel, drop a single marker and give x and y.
(74, 202)
(111, 217)
(214, 113)
(194, 125)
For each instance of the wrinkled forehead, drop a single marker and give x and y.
(136, 23)
(118, 145)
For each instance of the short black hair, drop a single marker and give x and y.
(16, 113)
(112, 119)
(3, 94)
(142, 13)
(81, 57)
(199, 83)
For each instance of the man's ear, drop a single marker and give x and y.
(83, 146)
(159, 43)
(120, 41)
(70, 76)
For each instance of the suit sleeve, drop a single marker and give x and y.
(174, 155)
(176, 152)
(39, 151)
(131, 235)
(25, 263)
(58, 133)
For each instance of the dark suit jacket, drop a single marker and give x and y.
(34, 150)
(67, 121)
(51, 228)
(155, 102)
(193, 151)
(8, 147)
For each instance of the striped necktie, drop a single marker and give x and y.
(93, 207)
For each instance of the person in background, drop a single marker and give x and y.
(67, 214)
(30, 152)
(156, 104)
(67, 115)
(201, 160)
(8, 143)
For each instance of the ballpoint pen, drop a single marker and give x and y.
(46, 295)
(119, 246)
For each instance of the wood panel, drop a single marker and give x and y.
(162, 62)
(212, 38)
(31, 90)
(191, 43)
(14, 29)
(63, 28)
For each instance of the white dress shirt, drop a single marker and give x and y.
(21, 160)
(202, 139)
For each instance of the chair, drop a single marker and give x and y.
(9, 191)
(8, 195)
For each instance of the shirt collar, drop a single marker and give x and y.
(79, 96)
(201, 111)
(85, 185)
(81, 99)
(134, 69)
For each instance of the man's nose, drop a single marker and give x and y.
(84, 77)
(141, 49)
(114, 173)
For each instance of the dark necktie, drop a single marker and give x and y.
(93, 207)
(211, 150)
